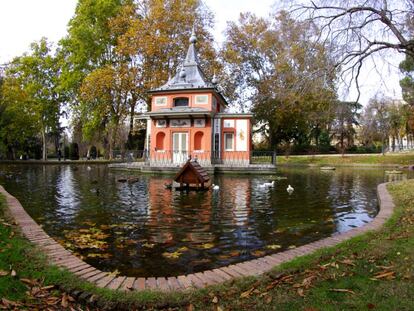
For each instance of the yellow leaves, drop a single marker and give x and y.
(175, 255)
(89, 238)
(273, 246)
(205, 246)
(114, 273)
(258, 253)
(98, 255)
(148, 245)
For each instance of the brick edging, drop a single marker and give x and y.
(63, 258)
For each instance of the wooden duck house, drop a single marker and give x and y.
(192, 176)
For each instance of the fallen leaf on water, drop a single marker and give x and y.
(206, 245)
(292, 246)
(215, 300)
(300, 292)
(148, 245)
(173, 255)
(268, 299)
(13, 273)
(114, 273)
(342, 290)
(3, 273)
(234, 253)
(258, 253)
(190, 307)
(273, 246)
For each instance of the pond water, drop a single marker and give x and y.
(143, 229)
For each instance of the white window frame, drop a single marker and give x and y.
(157, 124)
(225, 141)
(163, 98)
(204, 97)
(228, 123)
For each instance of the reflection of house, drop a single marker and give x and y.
(187, 118)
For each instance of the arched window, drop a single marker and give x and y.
(181, 102)
(159, 141)
(198, 141)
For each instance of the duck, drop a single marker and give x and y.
(269, 184)
(215, 187)
(290, 189)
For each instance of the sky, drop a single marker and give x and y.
(25, 21)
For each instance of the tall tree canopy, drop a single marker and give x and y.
(31, 94)
(361, 29)
(275, 65)
(118, 50)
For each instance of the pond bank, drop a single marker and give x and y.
(260, 291)
(367, 160)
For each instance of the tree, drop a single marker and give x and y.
(135, 46)
(17, 123)
(377, 112)
(363, 28)
(34, 79)
(407, 83)
(153, 38)
(346, 118)
(276, 66)
(88, 47)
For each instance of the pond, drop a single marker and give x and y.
(143, 229)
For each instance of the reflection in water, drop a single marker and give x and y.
(142, 229)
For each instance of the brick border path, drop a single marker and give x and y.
(63, 258)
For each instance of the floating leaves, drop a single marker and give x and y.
(148, 245)
(114, 273)
(99, 255)
(175, 255)
(258, 253)
(92, 238)
(205, 246)
(273, 246)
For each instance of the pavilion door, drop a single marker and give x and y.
(180, 149)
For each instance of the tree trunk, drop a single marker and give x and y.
(44, 151)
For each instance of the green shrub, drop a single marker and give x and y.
(73, 151)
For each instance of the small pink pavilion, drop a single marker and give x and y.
(188, 118)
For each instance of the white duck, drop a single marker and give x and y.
(215, 187)
(290, 189)
(269, 184)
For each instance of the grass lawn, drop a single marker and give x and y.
(374, 159)
(370, 272)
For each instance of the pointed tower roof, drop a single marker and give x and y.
(189, 75)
